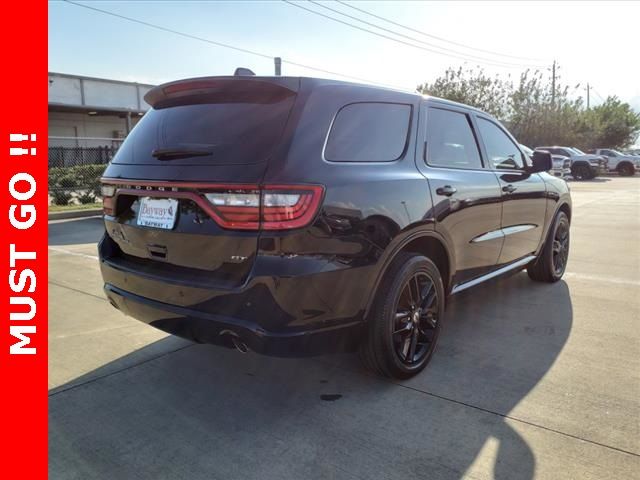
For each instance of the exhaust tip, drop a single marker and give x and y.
(240, 345)
(231, 337)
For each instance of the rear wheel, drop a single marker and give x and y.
(581, 172)
(406, 318)
(626, 170)
(552, 262)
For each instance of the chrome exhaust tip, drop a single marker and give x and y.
(239, 344)
(235, 341)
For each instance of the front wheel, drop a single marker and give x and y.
(552, 262)
(406, 318)
(626, 170)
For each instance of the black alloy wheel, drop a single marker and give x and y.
(560, 248)
(406, 318)
(416, 319)
(552, 261)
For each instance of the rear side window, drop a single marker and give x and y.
(368, 132)
(450, 140)
(502, 152)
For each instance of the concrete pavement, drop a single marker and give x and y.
(529, 380)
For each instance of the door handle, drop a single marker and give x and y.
(509, 188)
(447, 190)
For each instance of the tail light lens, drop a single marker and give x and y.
(235, 207)
(108, 198)
(272, 207)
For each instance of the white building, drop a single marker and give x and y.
(89, 117)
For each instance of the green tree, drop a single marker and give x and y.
(615, 124)
(472, 87)
(537, 115)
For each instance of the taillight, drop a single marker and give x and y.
(272, 207)
(108, 198)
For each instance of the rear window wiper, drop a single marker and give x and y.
(175, 153)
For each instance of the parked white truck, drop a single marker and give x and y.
(625, 165)
(584, 166)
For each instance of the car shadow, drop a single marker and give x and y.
(206, 412)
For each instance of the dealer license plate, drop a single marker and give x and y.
(158, 212)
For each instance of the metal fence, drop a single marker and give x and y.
(74, 151)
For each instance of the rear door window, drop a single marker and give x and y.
(450, 140)
(232, 132)
(368, 132)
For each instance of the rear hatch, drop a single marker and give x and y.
(183, 195)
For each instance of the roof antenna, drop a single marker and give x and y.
(243, 72)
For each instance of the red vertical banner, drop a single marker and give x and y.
(23, 245)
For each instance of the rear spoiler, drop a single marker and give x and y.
(223, 89)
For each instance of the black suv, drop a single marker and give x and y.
(297, 216)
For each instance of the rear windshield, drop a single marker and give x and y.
(224, 133)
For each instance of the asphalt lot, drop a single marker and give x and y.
(529, 380)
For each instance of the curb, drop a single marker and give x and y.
(75, 214)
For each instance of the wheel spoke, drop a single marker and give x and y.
(412, 301)
(404, 329)
(430, 319)
(405, 348)
(427, 296)
(416, 285)
(412, 348)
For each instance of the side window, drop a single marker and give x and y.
(560, 151)
(450, 140)
(368, 132)
(502, 152)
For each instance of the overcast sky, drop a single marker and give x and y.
(595, 42)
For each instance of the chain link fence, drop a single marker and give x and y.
(75, 167)
(73, 151)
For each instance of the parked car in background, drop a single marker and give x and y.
(294, 216)
(583, 166)
(561, 165)
(625, 165)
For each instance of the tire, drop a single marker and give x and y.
(552, 262)
(626, 170)
(582, 172)
(399, 340)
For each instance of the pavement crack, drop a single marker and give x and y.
(516, 419)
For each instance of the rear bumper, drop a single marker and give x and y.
(217, 329)
(283, 309)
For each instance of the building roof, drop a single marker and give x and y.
(77, 93)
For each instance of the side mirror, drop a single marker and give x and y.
(542, 162)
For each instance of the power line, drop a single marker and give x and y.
(414, 39)
(599, 96)
(232, 47)
(465, 58)
(436, 37)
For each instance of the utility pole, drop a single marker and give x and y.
(278, 64)
(553, 84)
(588, 88)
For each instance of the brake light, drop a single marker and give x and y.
(273, 207)
(108, 198)
(189, 85)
